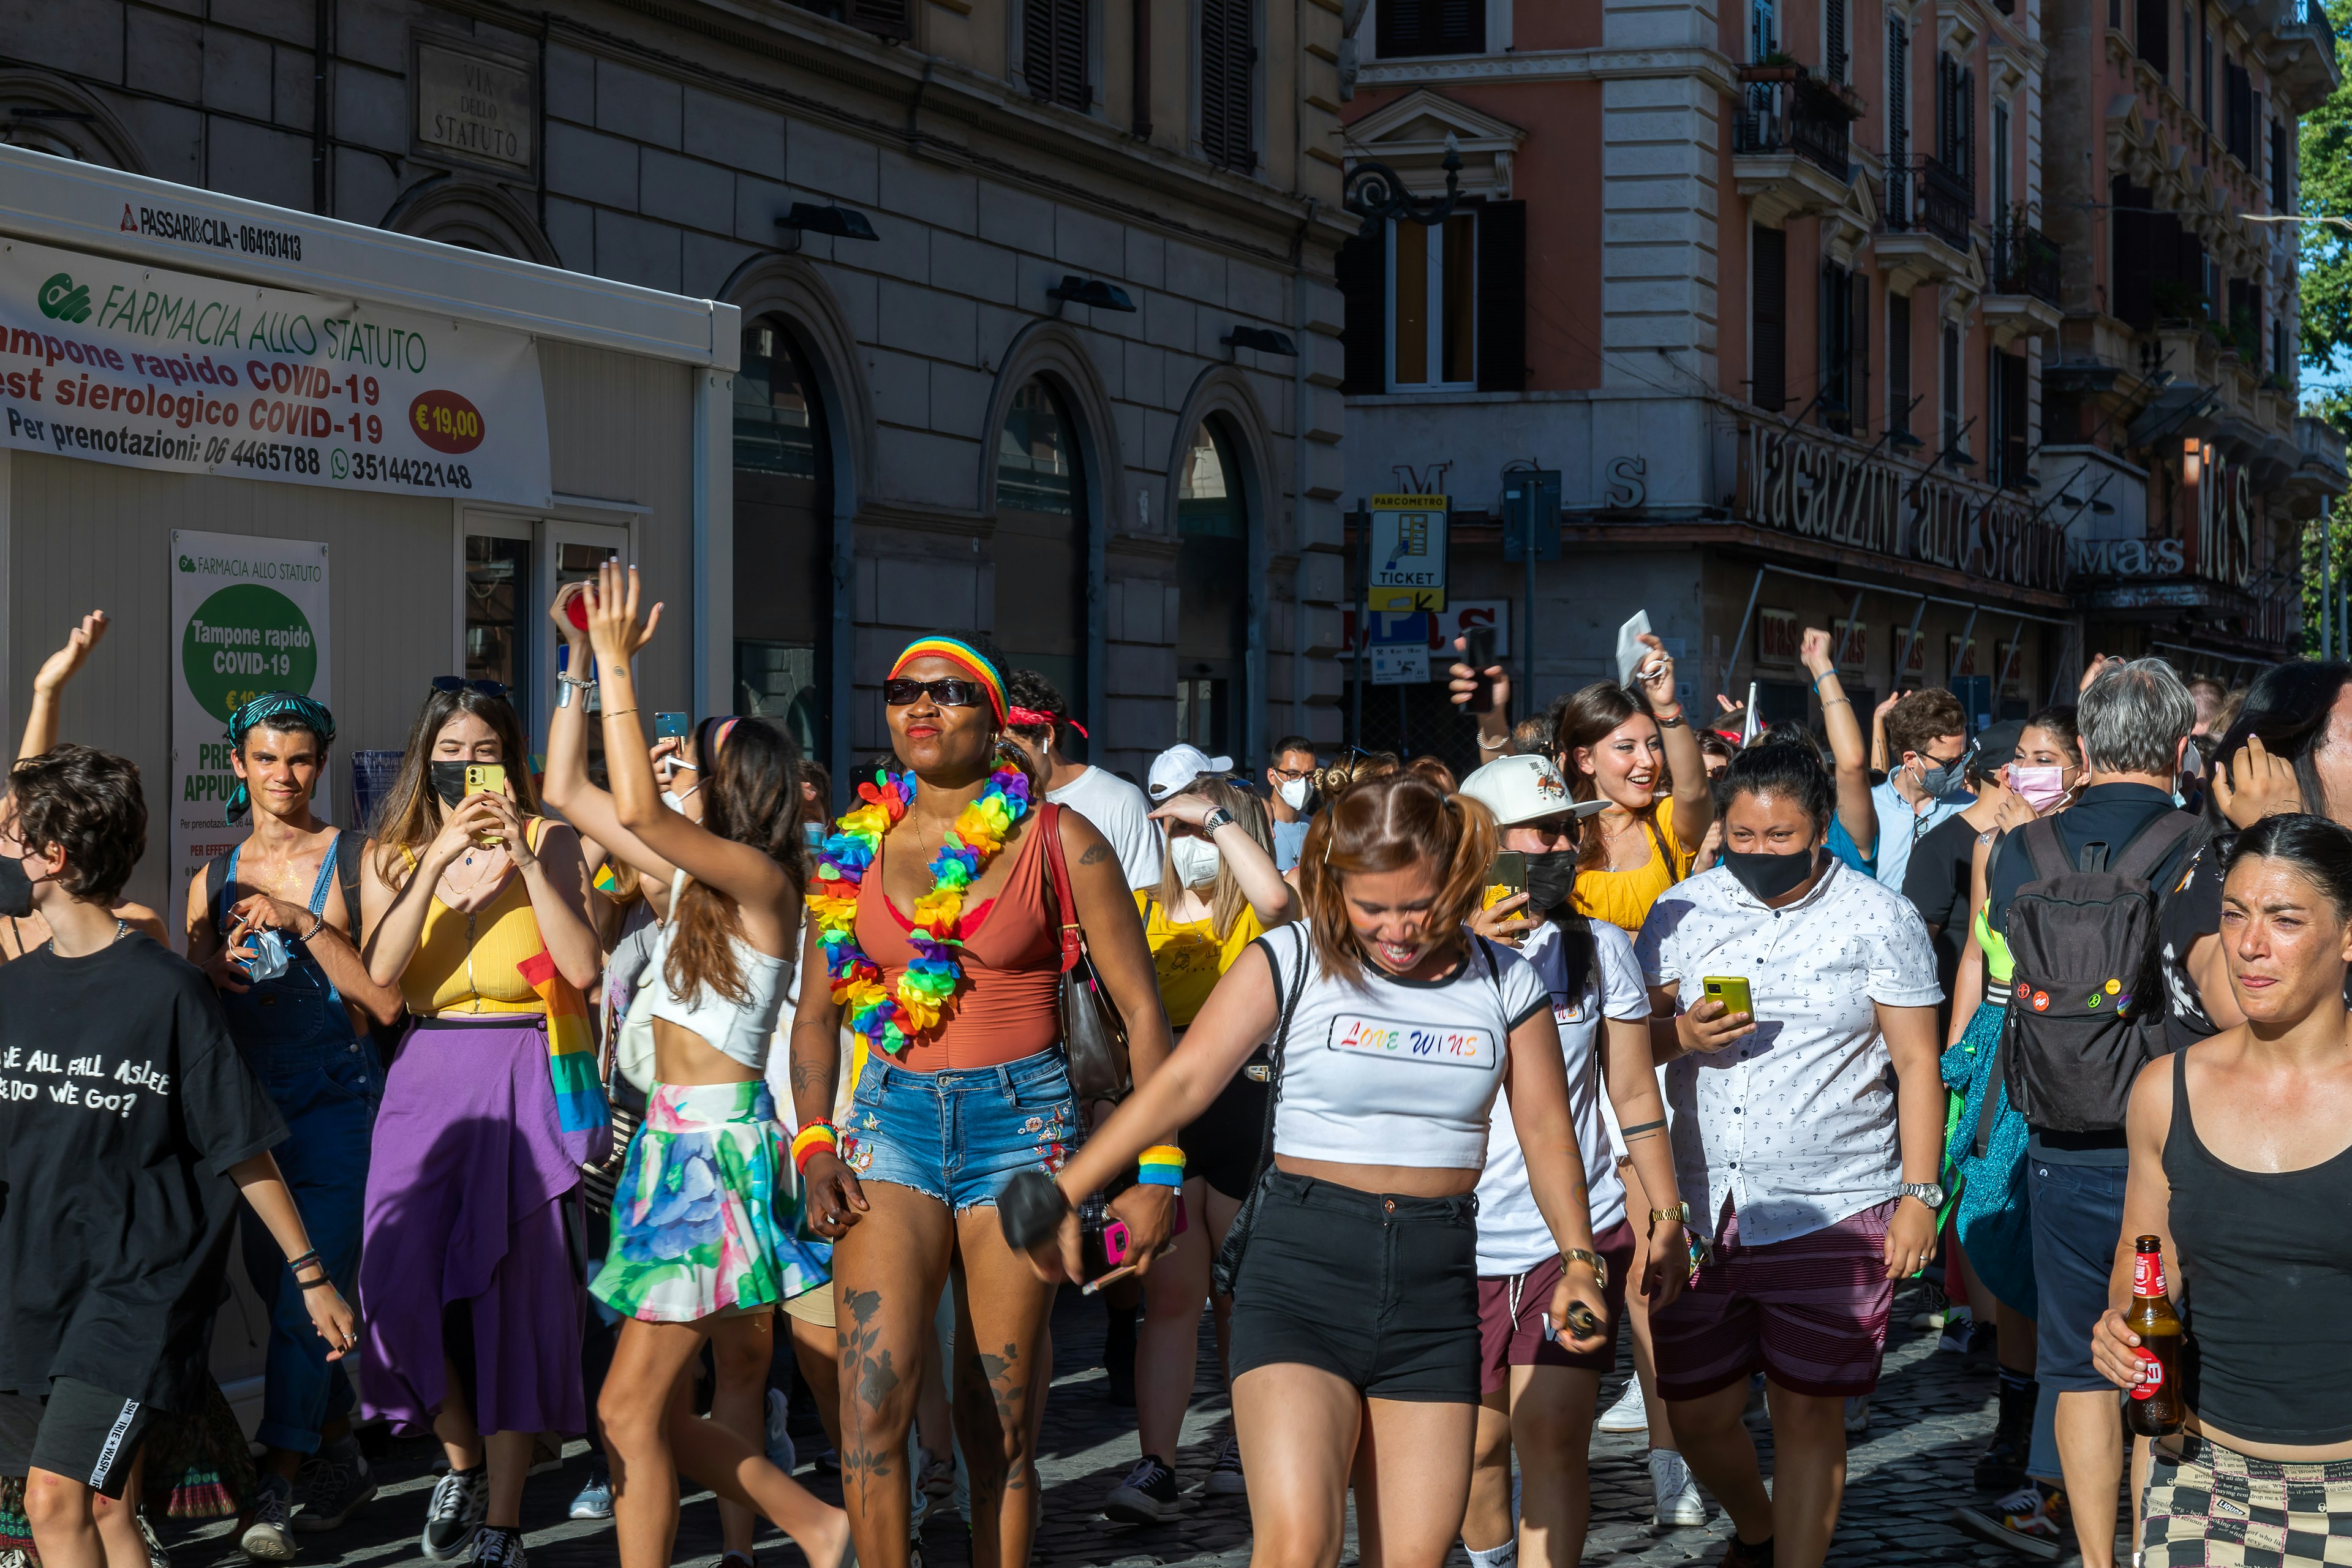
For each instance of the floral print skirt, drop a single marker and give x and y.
(705, 1216)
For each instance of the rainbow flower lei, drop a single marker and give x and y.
(887, 1021)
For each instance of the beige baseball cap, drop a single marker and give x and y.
(1525, 789)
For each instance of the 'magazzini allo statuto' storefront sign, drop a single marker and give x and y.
(140, 366)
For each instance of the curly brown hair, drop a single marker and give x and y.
(1387, 824)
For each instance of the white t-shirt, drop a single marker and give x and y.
(1794, 1126)
(1512, 1235)
(1395, 1072)
(1124, 816)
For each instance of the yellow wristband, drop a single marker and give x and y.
(1162, 1154)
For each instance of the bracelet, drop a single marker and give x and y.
(295, 1265)
(1162, 1165)
(1828, 702)
(318, 923)
(810, 1139)
(616, 713)
(1599, 1265)
(568, 678)
(1675, 722)
(1494, 743)
(323, 1282)
(1679, 1213)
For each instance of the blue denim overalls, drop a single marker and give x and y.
(295, 1035)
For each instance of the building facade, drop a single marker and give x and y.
(1039, 336)
(1786, 294)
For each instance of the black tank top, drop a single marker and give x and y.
(2265, 1275)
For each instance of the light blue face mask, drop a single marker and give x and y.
(814, 832)
(271, 956)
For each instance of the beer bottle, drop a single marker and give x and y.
(2155, 1408)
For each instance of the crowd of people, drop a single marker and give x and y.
(619, 1097)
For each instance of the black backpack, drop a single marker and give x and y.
(2086, 997)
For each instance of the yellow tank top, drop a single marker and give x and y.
(1623, 897)
(1187, 956)
(465, 964)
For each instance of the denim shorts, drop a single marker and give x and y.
(959, 1135)
(2078, 1215)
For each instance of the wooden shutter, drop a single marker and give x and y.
(1400, 30)
(1361, 270)
(1857, 374)
(1228, 56)
(1898, 362)
(1834, 25)
(883, 18)
(1053, 52)
(1768, 316)
(2153, 38)
(1502, 296)
(2011, 370)
(1431, 28)
(1964, 115)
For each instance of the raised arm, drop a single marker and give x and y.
(761, 887)
(1854, 807)
(1253, 868)
(1693, 793)
(49, 684)
(570, 790)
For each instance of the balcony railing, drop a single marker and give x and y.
(1799, 117)
(1932, 197)
(2024, 261)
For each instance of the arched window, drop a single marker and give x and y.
(1211, 582)
(1041, 541)
(783, 539)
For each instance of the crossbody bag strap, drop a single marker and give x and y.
(350, 845)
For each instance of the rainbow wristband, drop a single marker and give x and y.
(1161, 1165)
(810, 1139)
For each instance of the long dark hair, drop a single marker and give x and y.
(411, 812)
(2287, 706)
(751, 795)
(1583, 720)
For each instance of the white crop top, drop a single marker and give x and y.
(1396, 1072)
(740, 1032)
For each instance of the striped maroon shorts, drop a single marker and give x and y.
(1810, 1312)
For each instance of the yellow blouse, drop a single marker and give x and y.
(1188, 957)
(1623, 897)
(465, 964)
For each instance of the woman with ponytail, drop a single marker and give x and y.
(935, 914)
(1355, 1324)
(703, 1248)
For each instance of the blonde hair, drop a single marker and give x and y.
(1226, 899)
(1386, 824)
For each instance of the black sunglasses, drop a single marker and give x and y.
(948, 693)
(454, 684)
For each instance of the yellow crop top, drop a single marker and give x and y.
(1623, 897)
(465, 964)
(1187, 956)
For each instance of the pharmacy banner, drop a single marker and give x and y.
(130, 363)
(248, 616)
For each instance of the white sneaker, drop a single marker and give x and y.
(1629, 1413)
(1673, 1492)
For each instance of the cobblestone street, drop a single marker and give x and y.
(1928, 1422)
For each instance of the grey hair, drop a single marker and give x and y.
(2134, 716)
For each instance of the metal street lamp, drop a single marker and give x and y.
(1376, 191)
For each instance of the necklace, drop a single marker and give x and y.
(480, 876)
(887, 1019)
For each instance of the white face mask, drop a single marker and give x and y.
(676, 801)
(1195, 861)
(1293, 793)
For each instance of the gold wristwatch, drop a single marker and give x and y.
(1679, 1213)
(1600, 1265)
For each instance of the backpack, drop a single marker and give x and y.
(2086, 1002)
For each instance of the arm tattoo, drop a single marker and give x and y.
(1094, 854)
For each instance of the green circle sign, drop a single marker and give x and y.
(243, 641)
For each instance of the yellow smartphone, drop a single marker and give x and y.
(486, 778)
(1732, 991)
(1506, 876)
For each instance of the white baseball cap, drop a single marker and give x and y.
(1178, 766)
(1525, 789)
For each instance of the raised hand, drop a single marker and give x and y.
(61, 666)
(614, 629)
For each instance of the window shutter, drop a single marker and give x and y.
(1768, 316)
(2151, 38)
(1898, 362)
(1834, 25)
(1228, 53)
(2011, 368)
(1502, 296)
(883, 18)
(1898, 82)
(1431, 28)
(1857, 374)
(1361, 270)
(1964, 110)
(1053, 52)
(1401, 27)
(1461, 26)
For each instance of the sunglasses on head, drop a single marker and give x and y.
(952, 693)
(454, 684)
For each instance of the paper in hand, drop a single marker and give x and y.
(1632, 652)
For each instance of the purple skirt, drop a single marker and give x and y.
(466, 1189)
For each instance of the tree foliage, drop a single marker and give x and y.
(2325, 190)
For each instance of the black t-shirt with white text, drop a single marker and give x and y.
(123, 1103)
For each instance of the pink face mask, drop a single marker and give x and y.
(2039, 788)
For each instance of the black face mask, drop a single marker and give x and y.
(449, 782)
(1768, 877)
(16, 889)
(1552, 878)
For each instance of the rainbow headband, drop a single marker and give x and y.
(965, 656)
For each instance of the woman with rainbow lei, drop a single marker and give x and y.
(933, 912)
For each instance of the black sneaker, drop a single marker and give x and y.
(1738, 1554)
(2001, 1469)
(339, 1482)
(496, 1546)
(1226, 1475)
(1146, 1497)
(1984, 1345)
(461, 1500)
(267, 1538)
(2032, 1522)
